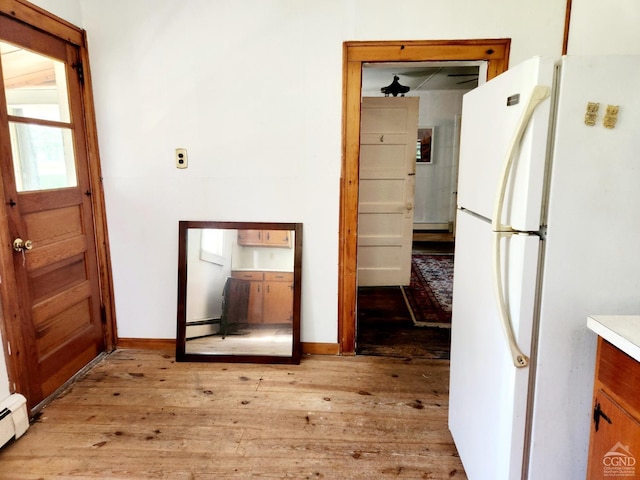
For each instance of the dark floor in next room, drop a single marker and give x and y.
(412, 321)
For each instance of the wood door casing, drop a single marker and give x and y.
(494, 51)
(53, 295)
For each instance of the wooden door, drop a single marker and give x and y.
(389, 132)
(48, 211)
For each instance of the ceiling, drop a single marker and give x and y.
(422, 76)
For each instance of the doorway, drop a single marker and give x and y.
(57, 314)
(494, 52)
(409, 316)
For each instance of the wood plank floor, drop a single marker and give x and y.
(385, 328)
(140, 415)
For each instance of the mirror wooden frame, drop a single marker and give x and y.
(182, 355)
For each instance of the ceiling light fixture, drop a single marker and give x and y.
(394, 88)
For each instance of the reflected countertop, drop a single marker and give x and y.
(622, 331)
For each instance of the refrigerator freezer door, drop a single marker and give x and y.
(488, 395)
(490, 116)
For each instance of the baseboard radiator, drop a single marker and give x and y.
(14, 420)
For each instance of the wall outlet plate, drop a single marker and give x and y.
(181, 158)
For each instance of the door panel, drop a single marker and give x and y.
(615, 444)
(25, 70)
(48, 202)
(387, 185)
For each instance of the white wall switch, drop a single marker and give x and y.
(181, 158)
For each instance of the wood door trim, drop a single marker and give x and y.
(41, 20)
(493, 51)
(99, 207)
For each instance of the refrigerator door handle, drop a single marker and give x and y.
(519, 359)
(540, 92)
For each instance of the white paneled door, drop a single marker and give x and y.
(389, 132)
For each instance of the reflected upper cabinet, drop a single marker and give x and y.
(239, 292)
(272, 238)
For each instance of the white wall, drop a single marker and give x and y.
(602, 28)
(68, 10)
(253, 90)
(435, 182)
(4, 377)
(206, 281)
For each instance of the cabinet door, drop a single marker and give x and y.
(250, 237)
(277, 238)
(278, 302)
(254, 314)
(615, 445)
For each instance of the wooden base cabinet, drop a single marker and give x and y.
(614, 450)
(270, 297)
(278, 297)
(256, 279)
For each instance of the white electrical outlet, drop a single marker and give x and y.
(181, 158)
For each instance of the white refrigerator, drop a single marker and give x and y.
(548, 232)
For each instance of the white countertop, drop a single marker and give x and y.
(623, 331)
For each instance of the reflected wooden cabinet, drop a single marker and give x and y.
(614, 449)
(264, 238)
(270, 297)
(254, 313)
(278, 297)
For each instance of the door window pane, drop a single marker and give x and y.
(42, 157)
(35, 85)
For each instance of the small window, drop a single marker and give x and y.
(212, 246)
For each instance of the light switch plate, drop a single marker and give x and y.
(181, 158)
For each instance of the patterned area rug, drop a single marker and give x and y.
(429, 294)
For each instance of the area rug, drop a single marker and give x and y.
(429, 294)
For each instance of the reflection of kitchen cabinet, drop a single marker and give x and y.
(278, 297)
(264, 238)
(270, 297)
(615, 427)
(254, 314)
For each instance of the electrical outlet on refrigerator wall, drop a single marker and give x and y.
(181, 158)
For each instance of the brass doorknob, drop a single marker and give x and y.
(20, 245)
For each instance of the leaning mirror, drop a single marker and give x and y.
(239, 292)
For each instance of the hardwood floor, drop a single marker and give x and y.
(385, 326)
(139, 415)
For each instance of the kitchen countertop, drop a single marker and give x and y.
(623, 331)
